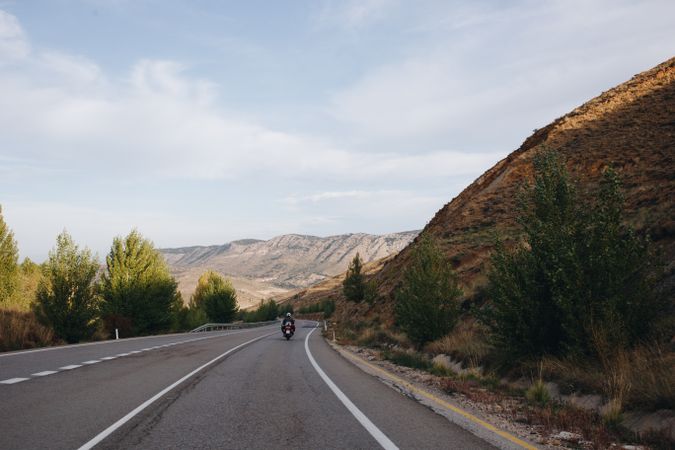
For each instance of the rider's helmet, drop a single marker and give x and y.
(288, 314)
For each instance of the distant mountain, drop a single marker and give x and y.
(261, 269)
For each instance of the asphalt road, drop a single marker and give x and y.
(224, 390)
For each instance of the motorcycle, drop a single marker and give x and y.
(288, 330)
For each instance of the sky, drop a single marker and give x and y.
(201, 122)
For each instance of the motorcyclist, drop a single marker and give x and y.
(288, 319)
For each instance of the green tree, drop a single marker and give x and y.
(139, 294)
(216, 297)
(354, 286)
(427, 302)
(578, 275)
(9, 269)
(66, 298)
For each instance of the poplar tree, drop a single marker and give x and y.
(66, 297)
(9, 269)
(427, 303)
(216, 297)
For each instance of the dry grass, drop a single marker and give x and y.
(21, 330)
(467, 343)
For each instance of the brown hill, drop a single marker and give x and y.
(631, 126)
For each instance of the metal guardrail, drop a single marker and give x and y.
(231, 326)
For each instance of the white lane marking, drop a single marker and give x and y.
(70, 367)
(105, 433)
(375, 432)
(145, 349)
(134, 352)
(119, 355)
(13, 380)
(44, 373)
(92, 361)
(108, 358)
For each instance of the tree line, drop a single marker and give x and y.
(134, 294)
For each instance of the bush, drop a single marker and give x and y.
(578, 275)
(326, 306)
(21, 330)
(266, 310)
(66, 297)
(216, 297)
(426, 305)
(9, 269)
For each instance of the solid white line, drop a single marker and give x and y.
(108, 358)
(134, 352)
(375, 432)
(92, 361)
(119, 355)
(44, 374)
(70, 367)
(13, 380)
(105, 433)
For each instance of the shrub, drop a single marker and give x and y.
(21, 330)
(9, 269)
(426, 305)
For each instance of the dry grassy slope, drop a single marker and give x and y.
(631, 126)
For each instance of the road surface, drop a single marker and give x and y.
(225, 390)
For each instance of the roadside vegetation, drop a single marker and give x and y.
(71, 297)
(572, 300)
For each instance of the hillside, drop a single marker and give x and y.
(263, 269)
(631, 126)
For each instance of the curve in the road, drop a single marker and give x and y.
(375, 432)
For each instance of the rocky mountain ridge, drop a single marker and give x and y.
(261, 269)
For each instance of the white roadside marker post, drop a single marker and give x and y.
(117, 334)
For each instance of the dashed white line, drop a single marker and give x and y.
(44, 373)
(375, 432)
(70, 367)
(105, 433)
(13, 380)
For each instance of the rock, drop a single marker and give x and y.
(567, 437)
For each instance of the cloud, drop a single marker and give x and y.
(507, 69)
(352, 14)
(13, 42)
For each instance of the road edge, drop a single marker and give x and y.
(455, 414)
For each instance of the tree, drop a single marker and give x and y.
(579, 274)
(66, 298)
(426, 304)
(139, 294)
(216, 297)
(353, 285)
(9, 269)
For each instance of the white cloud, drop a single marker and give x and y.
(352, 14)
(13, 42)
(475, 67)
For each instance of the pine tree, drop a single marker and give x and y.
(353, 285)
(66, 299)
(139, 294)
(9, 269)
(216, 297)
(427, 303)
